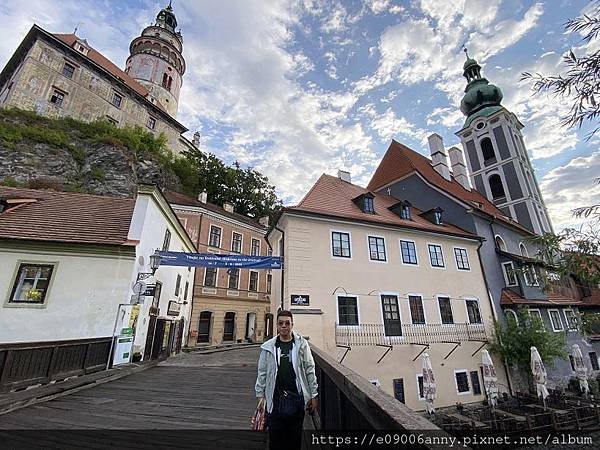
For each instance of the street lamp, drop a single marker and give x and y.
(155, 261)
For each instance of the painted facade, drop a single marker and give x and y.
(349, 302)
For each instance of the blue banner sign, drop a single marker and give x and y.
(213, 260)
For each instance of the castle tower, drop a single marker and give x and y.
(156, 60)
(498, 161)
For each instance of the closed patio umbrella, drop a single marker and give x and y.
(539, 374)
(490, 380)
(580, 369)
(429, 389)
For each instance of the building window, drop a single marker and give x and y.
(530, 276)
(594, 360)
(57, 97)
(420, 390)
(417, 313)
(475, 383)
(347, 310)
(405, 212)
(210, 276)
(31, 284)
(487, 150)
(511, 315)
(510, 276)
(185, 292)
(340, 243)
(369, 207)
(496, 187)
(214, 239)
(269, 283)
(255, 247)
(571, 319)
(523, 250)
(437, 217)
(236, 242)
(473, 311)
(462, 382)
(166, 241)
(377, 248)
(68, 70)
(151, 123)
(399, 389)
(462, 261)
(435, 255)
(500, 245)
(177, 285)
(117, 99)
(555, 320)
(234, 278)
(535, 314)
(445, 310)
(253, 284)
(572, 362)
(409, 252)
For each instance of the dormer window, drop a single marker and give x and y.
(437, 217)
(434, 215)
(402, 209)
(366, 202)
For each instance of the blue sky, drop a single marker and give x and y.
(296, 88)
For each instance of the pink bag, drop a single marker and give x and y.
(258, 419)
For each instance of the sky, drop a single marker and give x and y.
(297, 88)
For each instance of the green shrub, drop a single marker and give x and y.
(10, 182)
(97, 173)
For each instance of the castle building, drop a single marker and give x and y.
(61, 75)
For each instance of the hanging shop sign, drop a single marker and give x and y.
(300, 300)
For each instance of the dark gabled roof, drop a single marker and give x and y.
(332, 197)
(42, 215)
(400, 161)
(176, 198)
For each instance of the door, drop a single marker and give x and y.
(179, 337)
(204, 327)
(158, 338)
(391, 315)
(250, 326)
(149, 338)
(229, 326)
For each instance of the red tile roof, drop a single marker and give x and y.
(511, 298)
(332, 197)
(107, 65)
(400, 161)
(66, 217)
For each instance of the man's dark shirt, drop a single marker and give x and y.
(286, 377)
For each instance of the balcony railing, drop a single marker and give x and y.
(375, 334)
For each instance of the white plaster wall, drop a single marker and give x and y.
(81, 303)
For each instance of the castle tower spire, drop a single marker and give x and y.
(156, 59)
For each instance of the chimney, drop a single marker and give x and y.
(203, 197)
(228, 207)
(264, 221)
(459, 169)
(439, 161)
(344, 176)
(196, 140)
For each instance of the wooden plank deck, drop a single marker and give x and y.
(187, 392)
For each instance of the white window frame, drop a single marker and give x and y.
(385, 250)
(337, 310)
(533, 311)
(216, 277)
(470, 391)
(414, 294)
(237, 288)
(466, 299)
(220, 236)
(456, 259)
(257, 280)
(252, 239)
(9, 304)
(437, 297)
(521, 247)
(514, 314)
(340, 258)
(416, 253)
(552, 321)
(505, 273)
(417, 376)
(531, 270)
(505, 249)
(567, 319)
(241, 242)
(443, 257)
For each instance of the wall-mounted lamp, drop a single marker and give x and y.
(155, 261)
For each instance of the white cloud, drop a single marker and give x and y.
(570, 186)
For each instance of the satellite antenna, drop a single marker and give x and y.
(77, 27)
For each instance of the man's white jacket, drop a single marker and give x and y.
(304, 367)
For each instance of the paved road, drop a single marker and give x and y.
(187, 392)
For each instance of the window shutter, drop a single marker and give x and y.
(475, 383)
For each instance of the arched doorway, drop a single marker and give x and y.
(229, 326)
(204, 327)
(251, 326)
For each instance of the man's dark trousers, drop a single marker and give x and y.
(284, 433)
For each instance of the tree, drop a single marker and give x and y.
(513, 341)
(247, 189)
(581, 81)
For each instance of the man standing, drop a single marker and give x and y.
(286, 384)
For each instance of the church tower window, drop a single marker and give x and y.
(496, 187)
(487, 151)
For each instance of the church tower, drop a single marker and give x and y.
(498, 161)
(156, 60)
